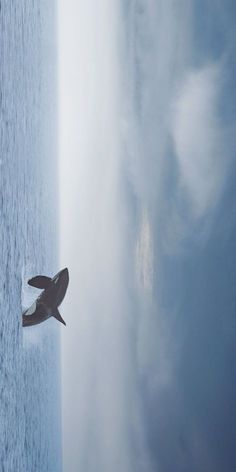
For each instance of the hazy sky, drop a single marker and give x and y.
(147, 176)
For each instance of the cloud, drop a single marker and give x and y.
(155, 59)
(179, 158)
(178, 146)
(144, 253)
(199, 139)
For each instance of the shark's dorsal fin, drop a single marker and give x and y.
(40, 281)
(57, 315)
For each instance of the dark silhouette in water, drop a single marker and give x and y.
(47, 303)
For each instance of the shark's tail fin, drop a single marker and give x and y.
(58, 317)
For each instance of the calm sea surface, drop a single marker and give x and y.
(29, 358)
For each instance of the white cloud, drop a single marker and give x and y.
(144, 253)
(199, 139)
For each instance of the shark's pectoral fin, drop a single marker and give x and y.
(40, 281)
(58, 317)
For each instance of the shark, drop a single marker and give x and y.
(47, 303)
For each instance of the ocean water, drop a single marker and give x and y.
(29, 358)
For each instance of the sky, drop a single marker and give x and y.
(147, 111)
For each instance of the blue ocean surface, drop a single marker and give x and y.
(30, 423)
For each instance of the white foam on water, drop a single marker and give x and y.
(32, 335)
(28, 293)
